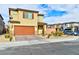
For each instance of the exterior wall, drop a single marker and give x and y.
(28, 22)
(36, 29)
(44, 29)
(75, 24)
(40, 19)
(49, 30)
(19, 17)
(14, 14)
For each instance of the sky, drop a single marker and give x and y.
(53, 13)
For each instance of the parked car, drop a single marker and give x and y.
(68, 31)
(76, 33)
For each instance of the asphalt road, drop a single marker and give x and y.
(60, 48)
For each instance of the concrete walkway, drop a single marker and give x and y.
(5, 45)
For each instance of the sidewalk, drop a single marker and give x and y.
(5, 45)
(64, 38)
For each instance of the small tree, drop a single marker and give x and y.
(8, 33)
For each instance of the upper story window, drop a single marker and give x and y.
(28, 15)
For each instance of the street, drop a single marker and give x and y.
(59, 48)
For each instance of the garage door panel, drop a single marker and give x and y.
(24, 30)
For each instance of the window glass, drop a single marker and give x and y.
(30, 15)
(27, 15)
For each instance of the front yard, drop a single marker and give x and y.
(3, 39)
(37, 37)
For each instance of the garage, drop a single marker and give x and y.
(24, 30)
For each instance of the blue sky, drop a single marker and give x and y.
(53, 13)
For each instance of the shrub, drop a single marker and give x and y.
(48, 35)
(58, 33)
(7, 36)
(11, 38)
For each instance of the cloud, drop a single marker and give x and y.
(49, 11)
(70, 17)
(54, 13)
(71, 13)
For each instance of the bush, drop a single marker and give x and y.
(48, 35)
(11, 38)
(7, 36)
(58, 33)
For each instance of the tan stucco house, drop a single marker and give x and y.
(26, 22)
(52, 27)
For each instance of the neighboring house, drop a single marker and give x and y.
(72, 25)
(62, 26)
(26, 22)
(50, 28)
(2, 24)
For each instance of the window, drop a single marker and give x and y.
(28, 15)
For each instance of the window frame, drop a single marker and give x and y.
(27, 13)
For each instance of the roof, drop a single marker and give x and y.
(42, 23)
(62, 23)
(23, 10)
(70, 22)
(40, 14)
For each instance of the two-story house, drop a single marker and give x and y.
(2, 24)
(26, 22)
(73, 25)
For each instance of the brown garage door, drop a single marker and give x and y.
(24, 30)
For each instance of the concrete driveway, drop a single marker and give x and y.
(28, 38)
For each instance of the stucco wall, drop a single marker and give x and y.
(18, 16)
(49, 30)
(40, 18)
(44, 29)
